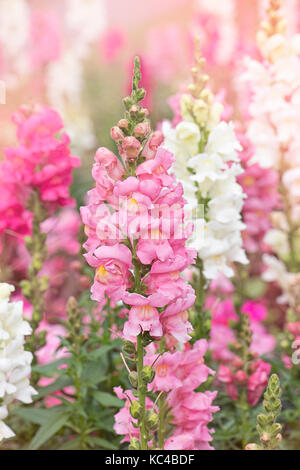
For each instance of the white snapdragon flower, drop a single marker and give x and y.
(222, 141)
(289, 282)
(278, 241)
(207, 177)
(15, 362)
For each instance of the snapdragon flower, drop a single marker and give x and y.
(207, 165)
(274, 131)
(14, 360)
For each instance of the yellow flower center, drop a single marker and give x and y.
(162, 370)
(101, 273)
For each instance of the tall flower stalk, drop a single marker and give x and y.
(274, 131)
(207, 164)
(39, 174)
(136, 241)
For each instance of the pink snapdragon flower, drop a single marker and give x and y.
(112, 273)
(257, 381)
(124, 422)
(144, 210)
(45, 37)
(180, 374)
(260, 186)
(42, 161)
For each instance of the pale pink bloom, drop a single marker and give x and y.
(180, 442)
(111, 43)
(142, 318)
(165, 372)
(112, 274)
(45, 37)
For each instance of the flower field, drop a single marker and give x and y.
(150, 225)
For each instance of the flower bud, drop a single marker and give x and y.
(127, 102)
(123, 124)
(128, 347)
(134, 444)
(131, 147)
(134, 109)
(152, 419)
(155, 140)
(252, 446)
(265, 437)
(136, 409)
(148, 374)
(116, 134)
(142, 129)
(133, 379)
(240, 376)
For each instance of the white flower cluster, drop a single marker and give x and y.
(289, 282)
(275, 105)
(14, 360)
(209, 177)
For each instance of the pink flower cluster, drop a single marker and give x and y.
(180, 374)
(232, 368)
(42, 161)
(140, 219)
(222, 335)
(255, 381)
(260, 186)
(124, 422)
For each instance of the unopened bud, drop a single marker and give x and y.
(133, 379)
(128, 347)
(265, 437)
(156, 139)
(252, 446)
(116, 134)
(148, 374)
(127, 102)
(240, 376)
(152, 419)
(142, 129)
(134, 109)
(123, 124)
(134, 444)
(131, 147)
(136, 409)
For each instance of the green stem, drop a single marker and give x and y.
(161, 427)
(141, 390)
(244, 410)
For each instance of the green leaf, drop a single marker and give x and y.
(35, 415)
(49, 429)
(97, 353)
(71, 444)
(48, 370)
(106, 399)
(93, 374)
(103, 443)
(62, 382)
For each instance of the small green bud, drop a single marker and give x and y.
(134, 444)
(252, 446)
(127, 103)
(136, 409)
(148, 374)
(140, 94)
(152, 419)
(129, 347)
(133, 379)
